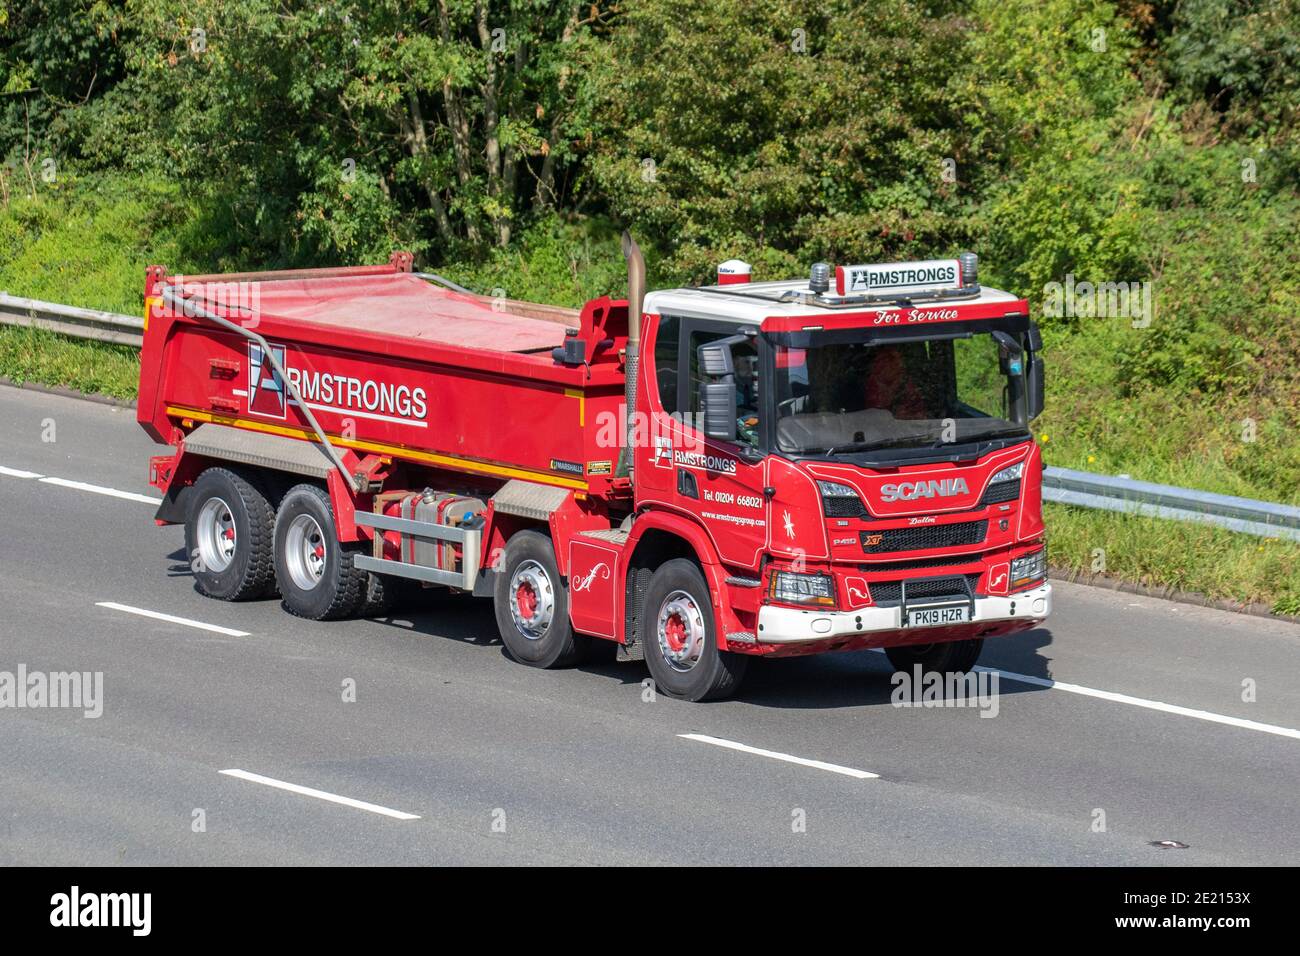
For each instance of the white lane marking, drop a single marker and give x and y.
(18, 473)
(1143, 702)
(79, 485)
(101, 490)
(320, 794)
(171, 618)
(788, 758)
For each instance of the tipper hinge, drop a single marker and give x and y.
(367, 484)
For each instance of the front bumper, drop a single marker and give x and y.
(790, 625)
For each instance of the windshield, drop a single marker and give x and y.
(855, 396)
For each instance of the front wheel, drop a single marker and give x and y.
(679, 638)
(950, 657)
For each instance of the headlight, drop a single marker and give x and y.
(840, 501)
(1029, 569)
(833, 489)
(790, 587)
(1010, 473)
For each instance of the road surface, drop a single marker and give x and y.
(242, 735)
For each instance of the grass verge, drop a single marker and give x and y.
(1182, 555)
(34, 355)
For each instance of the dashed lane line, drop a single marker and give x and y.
(787, 758)
(79, 485)
(319, 794)
(171, 618)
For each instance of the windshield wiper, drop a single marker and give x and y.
(860, 446)
(986, 434)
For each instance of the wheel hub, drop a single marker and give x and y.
(681, 631)
(533, 604)
(215, 534)
(305, 553)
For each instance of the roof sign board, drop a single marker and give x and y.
(898, 277)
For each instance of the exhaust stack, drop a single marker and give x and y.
(635, 300)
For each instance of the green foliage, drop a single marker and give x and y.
(86, 241)
(556, 260)
(764, 130)
(33, 355)
(1240, 58)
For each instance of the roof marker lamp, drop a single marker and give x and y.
(969, 269)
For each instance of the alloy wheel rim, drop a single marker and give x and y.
(305, 552)
(681, 631)
(217, 539)
(532, 600)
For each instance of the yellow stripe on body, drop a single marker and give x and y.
(581, 396)
(381, 448)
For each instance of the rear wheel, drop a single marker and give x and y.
(312, 567)
(532, 605)
(951, 657)
(228, 536)
(678, 635)
(386, 593)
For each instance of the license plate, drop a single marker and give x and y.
(938, 616)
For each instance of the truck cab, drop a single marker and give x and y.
(858, 455)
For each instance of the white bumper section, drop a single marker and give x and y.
(790, 625)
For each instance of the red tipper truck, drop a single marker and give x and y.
(748, 469)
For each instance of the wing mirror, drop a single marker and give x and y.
(719, 405)
(1034, 381)
(718, 396)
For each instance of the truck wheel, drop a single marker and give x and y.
(313, 568)
(677, 632)
(950, 657)
(386, 593)
(228, 536)
(532, 605)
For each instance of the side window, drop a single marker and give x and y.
(745, 357)
(666, 361)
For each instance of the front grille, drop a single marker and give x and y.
(922, 537)
(921, 565)
(959, 587)
(843, 506)
(1002, 491)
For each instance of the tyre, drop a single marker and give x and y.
(532, 605)
(678, 635)
(386, 593)
(313, 569)
(951, 657)
(228, 535)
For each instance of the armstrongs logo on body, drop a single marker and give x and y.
(698, 460)
(345, 393)
(327, 391)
